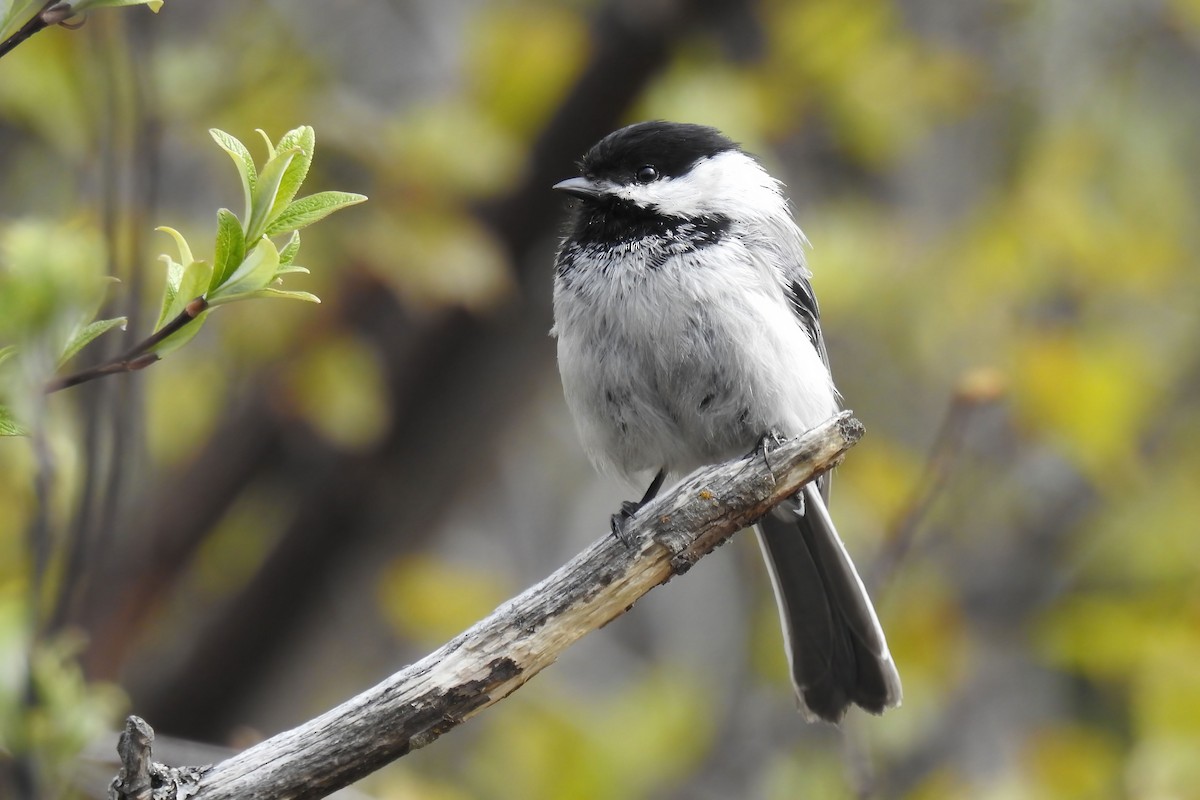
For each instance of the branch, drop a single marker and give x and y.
(139, 777)
(133, 780)
(976, 389)
(137, 357)
(499, 654)
(52, 13)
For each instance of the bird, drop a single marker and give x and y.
(688, 334)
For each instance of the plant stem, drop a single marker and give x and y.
(138, 357)
(47, 16)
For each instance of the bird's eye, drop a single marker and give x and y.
(647, 174)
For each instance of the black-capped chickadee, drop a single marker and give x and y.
(687, 332)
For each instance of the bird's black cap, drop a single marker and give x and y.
(670, 147)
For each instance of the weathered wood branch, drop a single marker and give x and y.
(523, 636)
(142, 779)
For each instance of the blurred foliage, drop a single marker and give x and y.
(50, 292)
(51, 289)
(339, 391)
(634, 744)
(432, 601)
(1008, 185)
(48, 710)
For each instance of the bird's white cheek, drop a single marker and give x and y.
(730, 184)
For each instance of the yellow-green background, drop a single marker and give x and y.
(1002, 197)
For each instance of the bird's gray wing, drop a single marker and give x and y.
(803, 301)
(804, 304)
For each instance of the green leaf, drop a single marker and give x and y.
(290, 269)
(87, 333)
(185, 252)
(181, 336)
(98, 302)
(254, 273)
(267, 141)
(307, 210)
(196, 277)
(79, 6)
(170, 289)
(184, 284)
(231, 247)
(288, 254)
(265, 193)
(304, 140)
(307, 297)
(244, 161)
(194, 280)
(9, 425)
(16, 15)
(7, 352)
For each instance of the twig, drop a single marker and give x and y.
(140, 777)
(52, 13)
(975, 390)
(499, 654)
(134, 748)
(138, 357)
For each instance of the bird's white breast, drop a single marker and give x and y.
(684, 360)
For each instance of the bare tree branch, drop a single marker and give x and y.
(523, 636)
(133, 781)
(975, 390)
(139, 777)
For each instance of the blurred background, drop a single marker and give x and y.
(1002, 198)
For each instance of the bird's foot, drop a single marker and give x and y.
(620, 521)
(772, 438)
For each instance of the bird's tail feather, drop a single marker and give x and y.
(836, 648)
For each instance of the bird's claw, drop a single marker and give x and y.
(763, 448)
(772, 437)
(620, 521)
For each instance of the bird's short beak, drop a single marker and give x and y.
(578, 187)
